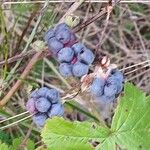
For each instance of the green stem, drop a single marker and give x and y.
(71, 104)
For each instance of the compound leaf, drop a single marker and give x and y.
(62, 134)
(130, 127)
(131, 122)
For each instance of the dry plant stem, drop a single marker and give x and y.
(24, 142)
(14, 123)
(71, 10)
(32, 16)
(10, 118)
(147, 61)
(136, 76)
(109, 10)
(17, 57)
(71, 1)
(143, 49)
(26, 71)
(137, 69)
(90, 20)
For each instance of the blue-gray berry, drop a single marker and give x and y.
(79, 69)
(56, 110)
(61, 26)
(30, 106)
(65, 69)
(65, 54)
(53, 96)
(49, 34)
(42, 104)
(78, 47)
(39, 119)
(54, 45)
(63, 36)
(97, 86)
(86, 56)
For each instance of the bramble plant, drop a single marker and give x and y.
(77, 98)
(129, 128)
(74, 57)
(45, 103)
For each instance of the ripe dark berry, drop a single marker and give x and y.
(30, 106)
(118, 75)
(42, 104)
(62, 26)
(42, 92)
(49, 34)
(39, 119)
(110, 89)
(63, 36)
(78, 47)
(87, 56)
(53, 96)
(56, 110)
(79, 69)
(65, 69)
(65, 54)
(107, 89)
(97, 86)
(54, 45)
(72, 41)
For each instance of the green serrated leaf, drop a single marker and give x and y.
(62, 134)
(130, 127)
(131, 122)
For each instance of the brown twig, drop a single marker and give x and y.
(71, 10)
(109, 9)
(32, 16)
(25, 140)
(26, 71)
(90, 20)
(17, 57)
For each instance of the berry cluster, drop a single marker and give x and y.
(44, 103)
(73, 56)
(59, 37)
(106, 89)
